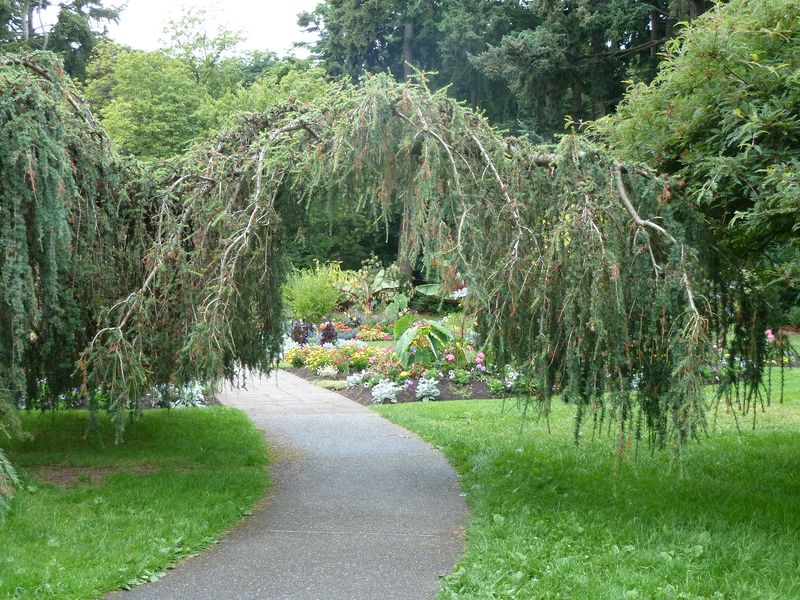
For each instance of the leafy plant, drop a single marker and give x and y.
(328, 333)
(496, 386)
(188, 395)
(461, 376)
(310, 293)
(420, 342)
(427, 389)
(327, 371)
(355, 379)
(370, 283)
(296, 359)
(301, 332)
(372, 333)
(385, 391)
(397, 306)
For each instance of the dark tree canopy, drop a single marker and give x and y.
(734, 140)
(527, 65)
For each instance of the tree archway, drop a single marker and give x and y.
(581, 268)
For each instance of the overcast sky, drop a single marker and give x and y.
(266, 24)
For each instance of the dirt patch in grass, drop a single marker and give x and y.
(448, 391)
(63, 475)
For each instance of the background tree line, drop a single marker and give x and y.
(527, 65)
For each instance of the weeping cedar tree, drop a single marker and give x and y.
(559, 244)
(582, 268)
(734, 142)
(69, 233)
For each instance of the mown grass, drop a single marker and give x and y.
(177, 483)
(552, 520)
(382, 344)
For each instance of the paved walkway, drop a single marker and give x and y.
(360, 509)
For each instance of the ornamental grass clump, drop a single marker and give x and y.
(310, 293)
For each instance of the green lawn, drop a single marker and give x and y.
(178, 482)
(552, 520)
(382, 344)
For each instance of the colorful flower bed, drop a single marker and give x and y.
(373, 333)
(378, 375)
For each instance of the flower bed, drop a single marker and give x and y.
(373, 333)
(430, 363)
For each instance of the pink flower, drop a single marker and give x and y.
(481, 355)
(478, 359)
(770, 335)
(450, 358)
(373, 360)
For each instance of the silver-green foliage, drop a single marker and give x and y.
(385, 390)
(427, 389)
(70, 235)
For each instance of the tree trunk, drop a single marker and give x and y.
(408, 51)
(475, 89)
(45, 33)
(598, 76)
(653, 33)
(26, 20)
(577, 99)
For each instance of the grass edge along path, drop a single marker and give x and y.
(124, 513)
(552, 520)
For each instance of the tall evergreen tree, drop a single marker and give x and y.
(80, 25)
(527, 65)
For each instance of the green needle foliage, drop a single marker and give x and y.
(723, 116)
(585, 271)
(69, 232)
(577, 285)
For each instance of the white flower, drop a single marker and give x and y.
(327, 371)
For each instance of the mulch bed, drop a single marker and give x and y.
(362, 395)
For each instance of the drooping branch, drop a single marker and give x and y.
(35, 68)
(623, 196)
(548, 254)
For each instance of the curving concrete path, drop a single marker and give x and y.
(360, 509)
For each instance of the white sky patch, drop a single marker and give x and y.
(265, 24)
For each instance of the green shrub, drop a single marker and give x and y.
(359, 363)
(793, 316)
(310, 293)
